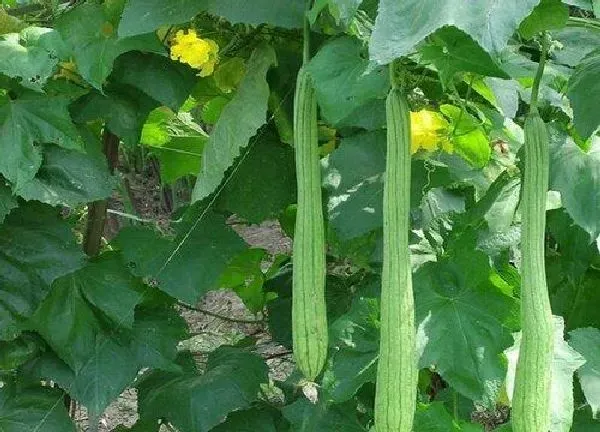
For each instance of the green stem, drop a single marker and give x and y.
(535, 90)
(306, 50)
(463, 103)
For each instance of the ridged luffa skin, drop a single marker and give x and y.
(397, 369)
(531, 398)
(309, 314)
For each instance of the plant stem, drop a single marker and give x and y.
(306, 50)
(221, 317)
(97, 210)
(535, 89)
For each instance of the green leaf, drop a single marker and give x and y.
(575, 298)
(250, 193)
(18, 351)
(577, 252)
(212, 110)
(564, 364)
(344, 80)
(400, 26)
(583, 421)
(229, 74)
(8, 201)
(251, 420)
(353, 361)
(28, 120)
(90, 32)
(548, 15)
(155, 13)
(21, 57)
(240, 120)
(452, 51)
(342, 10)
(190, 265)
(584, 91)
(165, 81)
(101, 362)
(179, 157)
(69, 178)
(200, 402)
(36, 247)
(469, 138)
(35, 409)
(244, 276)
(577, 43)
(580, 198)
(124, 108)
(586, 341)
(456, 292)
(305, 416)
(433, 418)
(98, 382)
(157, 330)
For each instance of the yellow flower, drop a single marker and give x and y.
(201, 54)
(429, 131)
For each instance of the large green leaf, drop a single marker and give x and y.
(157, 330)
(191, 264)
(36, 247)
(587, 342)
(33, 410)
(305, 416)
(576, 298)
(21, 57)
(548, 15)
(400, 26)
(344, 80)
(577, 43)
(252, 420)
(452, 51)
(581, 198)
(434, 418)
(27, 121)
(155, 13)
(240, 120)
(564, 364)
(165, 81)
(353, 361)
(8, 202)
(90, 31)
(69, 178)
(101, 362)
(200, 402)
(457, 292)
(250, 193)
(584, 92)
